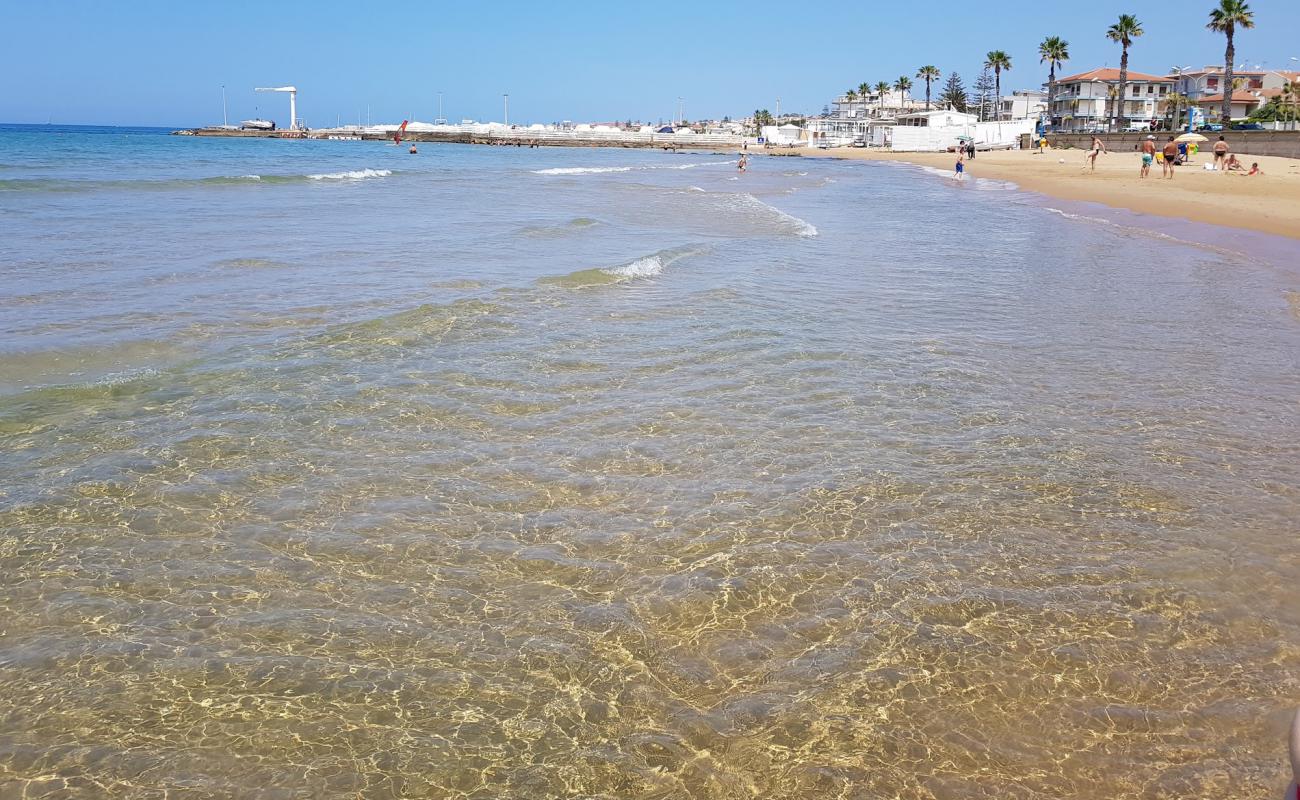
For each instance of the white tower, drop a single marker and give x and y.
(293, 102)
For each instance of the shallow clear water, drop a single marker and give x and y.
(497, 472)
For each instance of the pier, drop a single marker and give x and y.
(494, 134)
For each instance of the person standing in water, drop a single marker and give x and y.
(743, 162)
(960, 169)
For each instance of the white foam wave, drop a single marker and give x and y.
(353, 175)
(641, 268)
(251, 177)
(579, 170)
(597, 170)
(797, 226)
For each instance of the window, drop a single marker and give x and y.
(1212, 83)
(1256, 83)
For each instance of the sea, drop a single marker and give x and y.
(329, 470)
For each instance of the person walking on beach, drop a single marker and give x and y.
(1098, 147)
(1170, 153)
(1148, 155)
(960, 169)
(1221, 154)
(970, 149)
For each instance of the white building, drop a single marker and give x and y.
(1086, 102)
(1201, 83)
(1022, 103)
(936, 131)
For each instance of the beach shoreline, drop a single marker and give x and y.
(1268, 204)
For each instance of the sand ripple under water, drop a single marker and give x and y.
(682, 504)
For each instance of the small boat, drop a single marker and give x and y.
(257, 125)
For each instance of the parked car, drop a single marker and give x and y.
(1142, 127)
(1248, 126)
(1213, 127)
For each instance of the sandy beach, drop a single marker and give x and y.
(1268, 203)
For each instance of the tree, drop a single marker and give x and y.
(1174, 104)
(762, 117)
(902, 85)
(997, 61)
(1125, 31)
(1226, 18)
(881, 88)
(954, 93)
(928, 74)
(864, 90)
(1053, 51)
(984, 86)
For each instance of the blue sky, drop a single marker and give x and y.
(147, 62)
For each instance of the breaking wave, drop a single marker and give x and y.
(165, 184)
(643, 267)
(597, 170)
(353, 175)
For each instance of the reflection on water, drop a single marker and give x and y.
(849, 515)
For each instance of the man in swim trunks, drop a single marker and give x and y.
(961, 164)
(1220, 154)
(1148, 155)
(1098, 147)
(1170, 153)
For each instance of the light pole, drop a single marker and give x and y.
(225, 123)
(506, 99)
(440, 120)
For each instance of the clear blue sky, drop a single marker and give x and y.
(155, 62)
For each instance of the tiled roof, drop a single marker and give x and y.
(1108, 74)
(1237, 97)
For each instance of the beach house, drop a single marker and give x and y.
(1199, 84)
(1086, 102)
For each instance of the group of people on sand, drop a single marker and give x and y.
(1173, 155)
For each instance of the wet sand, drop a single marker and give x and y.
(1269, 203)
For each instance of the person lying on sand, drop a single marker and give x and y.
(1254, 170)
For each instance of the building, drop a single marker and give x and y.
(1243, 105)
(1086, 102)
(852, 119)
(922, 131)
(1206, 81)
(1022, 104)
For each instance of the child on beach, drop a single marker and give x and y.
(960, 169)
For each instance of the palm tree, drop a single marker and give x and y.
(1225, 19)
(1174, 103)
(902, 85)
(881, 88)
(997, 61)
(1125, 31)
(1054, 51)
(849, 97)
(864, 90)
(928, 74)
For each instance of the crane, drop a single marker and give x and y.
(293, 102)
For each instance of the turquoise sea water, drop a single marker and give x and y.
(326, 469)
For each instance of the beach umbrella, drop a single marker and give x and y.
(1191, 137)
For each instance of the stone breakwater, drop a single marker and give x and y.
(516, 138)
